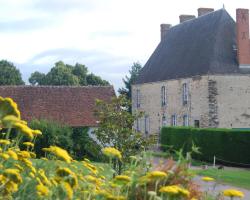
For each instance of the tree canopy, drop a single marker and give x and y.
(129, 80)
(9, 74)
(65, 74)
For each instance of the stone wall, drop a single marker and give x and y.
(215, 101)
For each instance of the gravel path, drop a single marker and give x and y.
(212, 188)
(215, 188)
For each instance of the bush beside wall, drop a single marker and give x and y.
(227, 144)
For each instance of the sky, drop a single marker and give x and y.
(108, 36)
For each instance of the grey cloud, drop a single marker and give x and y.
(109, 33)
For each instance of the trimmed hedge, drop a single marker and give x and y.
(227, 144)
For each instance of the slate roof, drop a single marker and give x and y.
(72, 106)
(200, 46)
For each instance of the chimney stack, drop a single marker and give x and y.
(164, 29)
(184, 18)
(243, 42)
(203, 11)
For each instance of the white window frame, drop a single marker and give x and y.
(138, 94)
(185, 120)
(184, 93)
(163, 96)
(164, 120)
(174, 120)
(146, 125)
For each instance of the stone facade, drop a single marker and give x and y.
(221, 101)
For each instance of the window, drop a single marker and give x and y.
(184, 93)
(197, 123)
(146, 128)
(163, 96)
(185, 120)
(174, 120)
(138, 125)
(137, 98)
(164, 120)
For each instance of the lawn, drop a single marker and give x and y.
(234, 177)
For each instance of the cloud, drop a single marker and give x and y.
(63, 5)
(25, 24)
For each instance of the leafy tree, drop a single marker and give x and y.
(9, 74)
(129, 80)
(61, 75)
(116, 129)
(37, 78)
(65, 74)
(96, 80)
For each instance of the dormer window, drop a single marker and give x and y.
(184, 93)
(163, 96)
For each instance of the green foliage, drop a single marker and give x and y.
(129, 80)
(115, 127)
(9, 74)
(53, 134)
(84, 146)
(227, 144)
(65, 74)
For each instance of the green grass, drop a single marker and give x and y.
(234, 177)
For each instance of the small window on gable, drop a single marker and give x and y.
(164, 120)
(184, 93)
(163, 96)
(185, 120)
(174, 120)
(138, 103)
(146, 128)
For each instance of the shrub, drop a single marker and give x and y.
(53, 134)
(227, 144)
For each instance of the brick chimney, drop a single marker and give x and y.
(164, 29)
(203, 11)
(184, 18)
(243, 42)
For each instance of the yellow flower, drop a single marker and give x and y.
(233, 193)
(59, 152)
(4, 142)
(174, 190)
(19, 167)
(42, 190)
(29, 144)
(12, 154)
(63, 172)
(5, 156)
(111, 197)
(9, 120)
(13, 175)
(8, 107)
(207, 179)
(90, 167)
(11, 187)
(112, 152)
(123, 178)
(36, 132)
(68, 189)
(24, 129)
(43, 177)
(32, 175)
(23, 154)
(157, 175)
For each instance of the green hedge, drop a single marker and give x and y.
(227, 144)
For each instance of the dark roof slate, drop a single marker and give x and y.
(73, 106)
(200, 46)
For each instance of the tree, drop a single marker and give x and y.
(9, 74)
(128, 81)
(61, 74)
(116, 129)
(37, 78)
(96, 80)
(65, 74)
